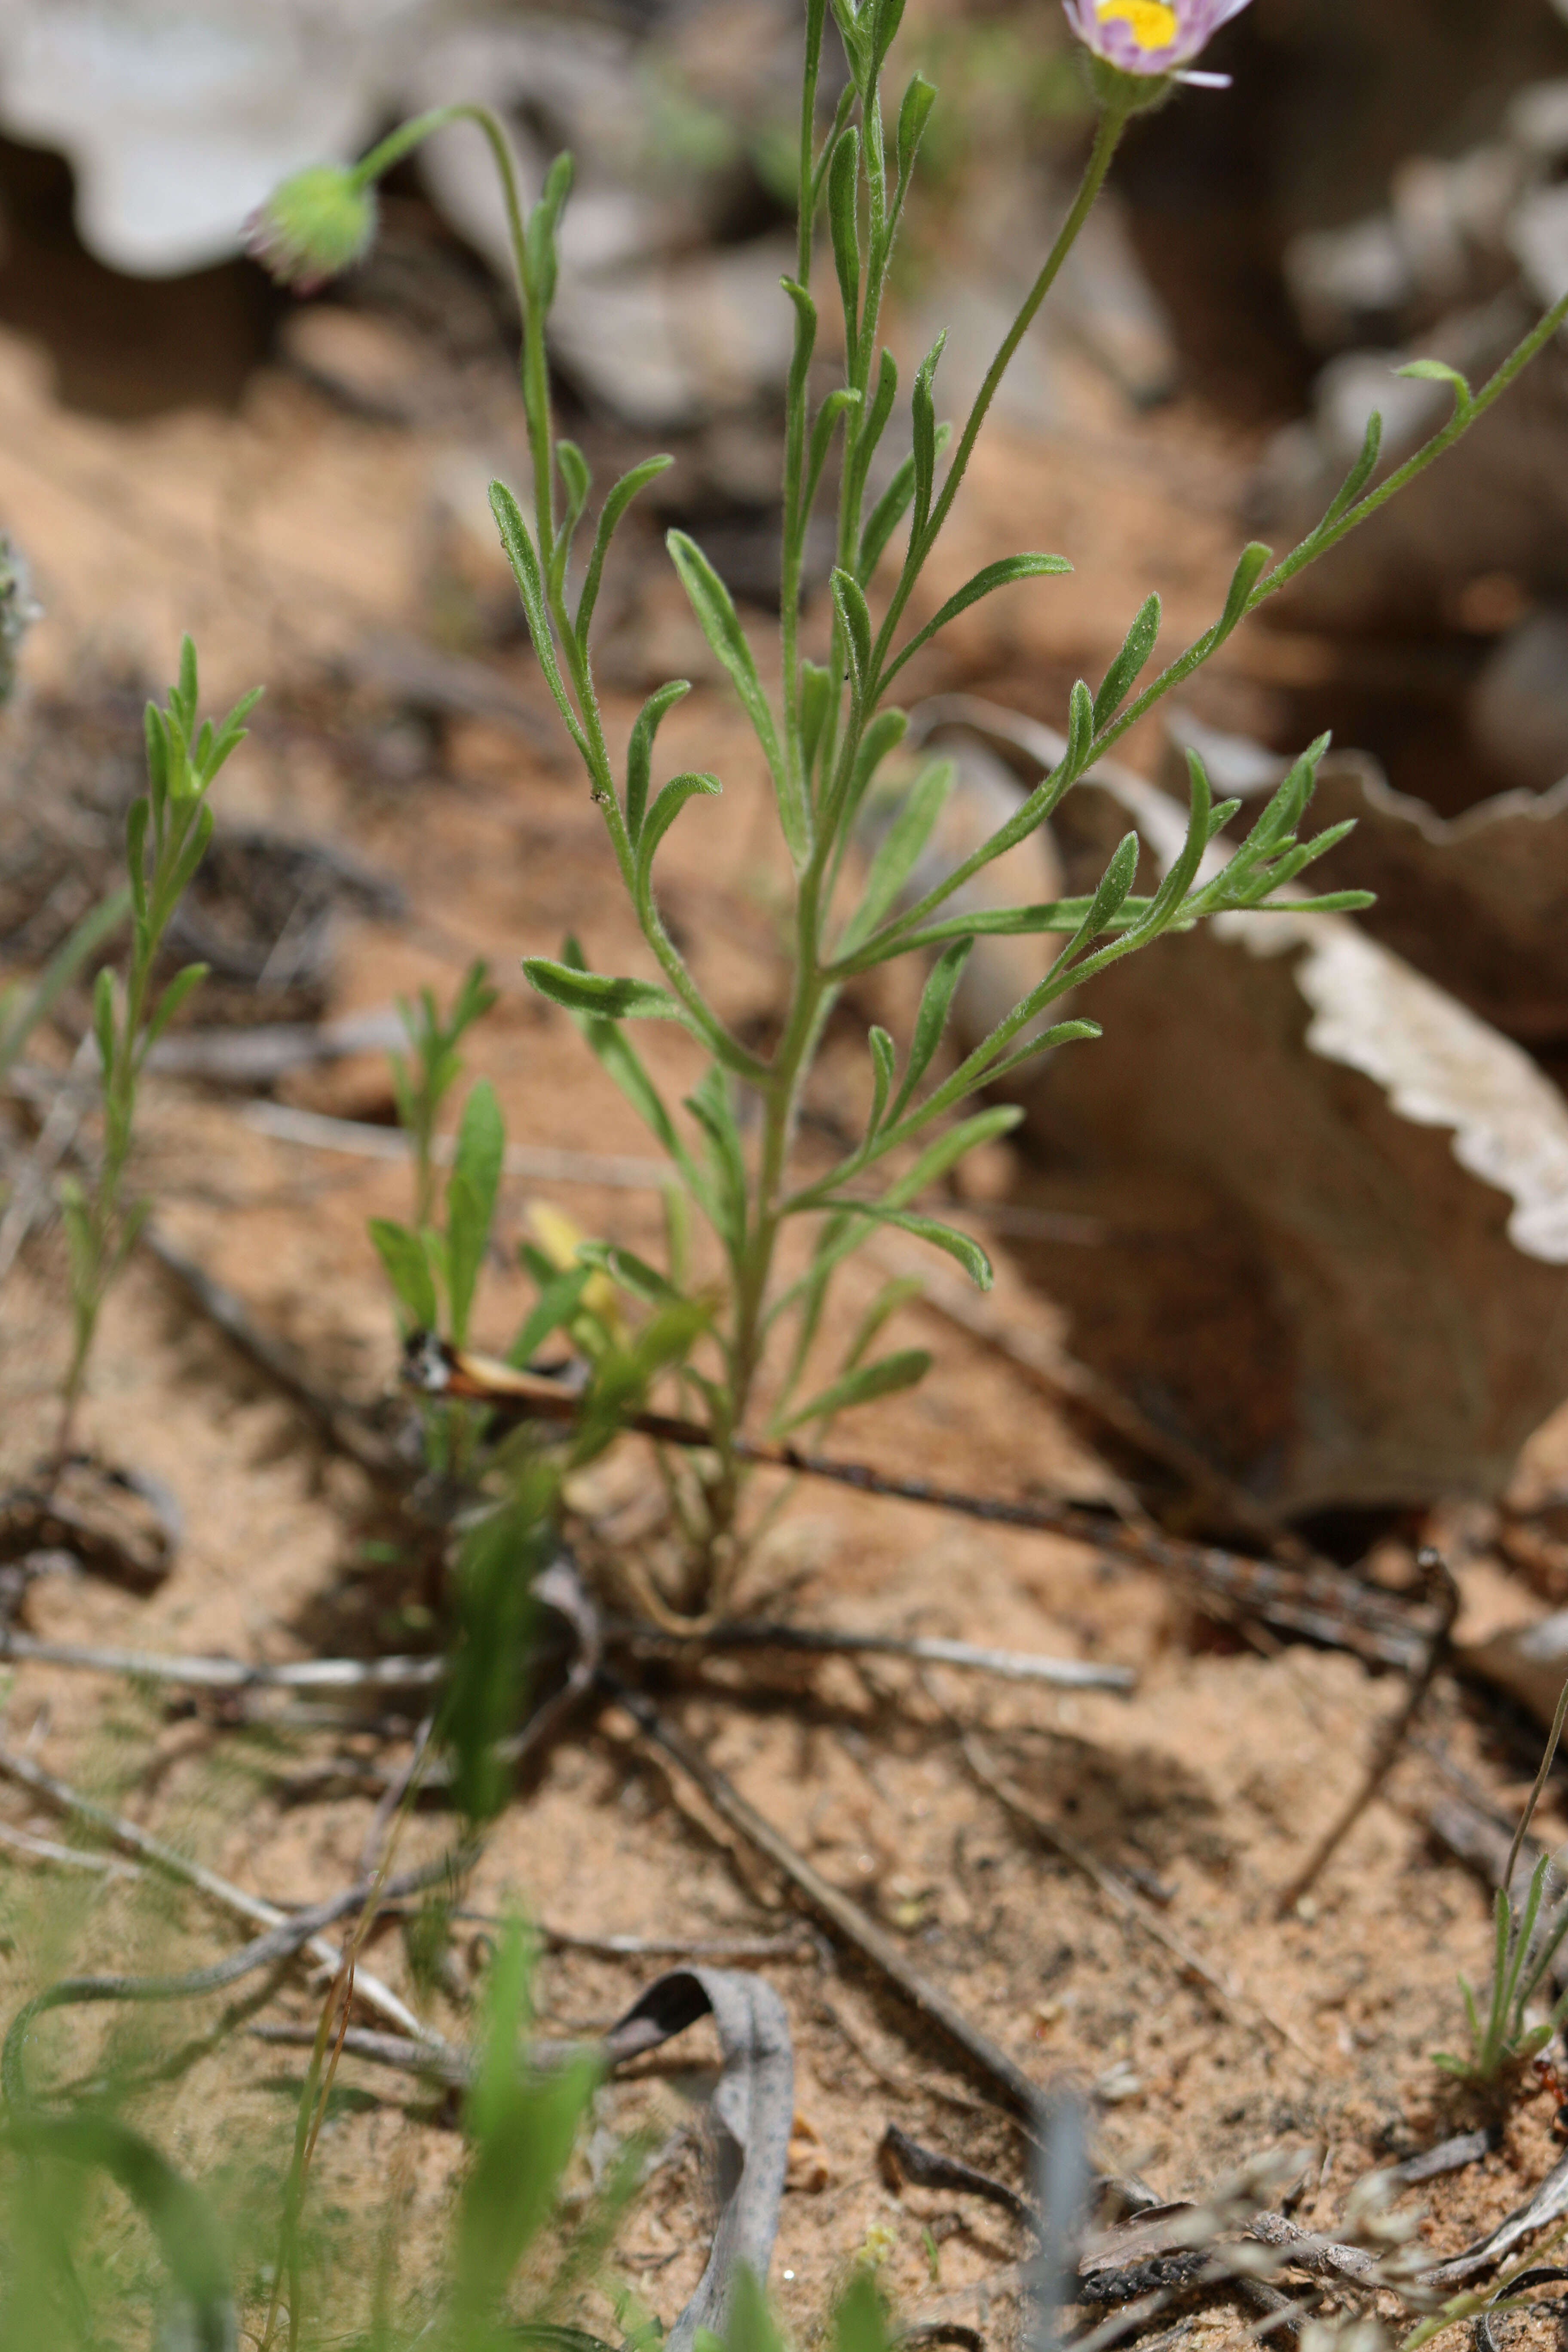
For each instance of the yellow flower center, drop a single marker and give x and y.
(1152, 22)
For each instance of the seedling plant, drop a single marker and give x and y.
(166, 835)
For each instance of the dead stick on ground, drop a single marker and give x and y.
(1009, 1665)
(1389, 1740)
(67, 1800)
(1126, 1897)
(229, 1674)
(843, 1917)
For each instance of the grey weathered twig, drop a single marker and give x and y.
(138, 1841)
(228, 1674)
(1009, 1666)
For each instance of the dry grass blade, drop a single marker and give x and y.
(228, 1674)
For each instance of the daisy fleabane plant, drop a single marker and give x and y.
(742, 1345)
(1154, 39)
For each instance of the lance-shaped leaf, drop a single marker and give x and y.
(639, 751)
(890, 510)
(1254, 561)
(815, 706)
(714, 1112)
(948, 1148)
(922, 413)
(855, 617)
(884, 1065)
(408, 1264)
(931, 1022)
(884, 1376)
(985, 582)
(967, 1253)
(1439, 372)
(1360, 473)
(183, 985)
(914, 113)
(844, 223)
(721, 625)
(1120, 677)
(554, 1309)
(601, 997)
(629, 1271)
(661, 817)
(846, 398)
(523, 558)
(901, 850)
(614, 508)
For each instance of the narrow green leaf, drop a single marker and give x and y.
(184, 984)
(662, 815)
(922, 410)
(828, 417)
(639, 752)
(1123, 671)
(480, 1154)
(1080, 730)
(403, 1254)
(523, 558)
(901, 850)
(884, 1065)
(949, 1148)
(467, 1238)
(576, 476)
(629, 1271)
(1114, 885)
(1065, 1032)
(931, 1022)
(854, 613)
(890, 510)
(881, 738)
(557, 1303)
(1254, 561)
(920, 97)
(1360, 473)
(816, 704)
(600, 997)
(884, 1376)
(844, 223)
(1439, 372)
(1001, 574)
(721, 625)
(187, 691)
(954, 1244)
(103, 1019)
(610, 515)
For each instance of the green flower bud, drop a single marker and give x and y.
(313, 226)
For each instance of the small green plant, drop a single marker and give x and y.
(827, 735)
(424, 1077)
(166, 836)
(1525, 1948)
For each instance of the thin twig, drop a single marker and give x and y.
(1390, 1740)
(843, 1918)
(1009, 1666)
(228, 1674)
(1316, 1598)
(70, 1857)
(67, 1800)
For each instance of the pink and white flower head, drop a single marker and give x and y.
(1155, 38)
